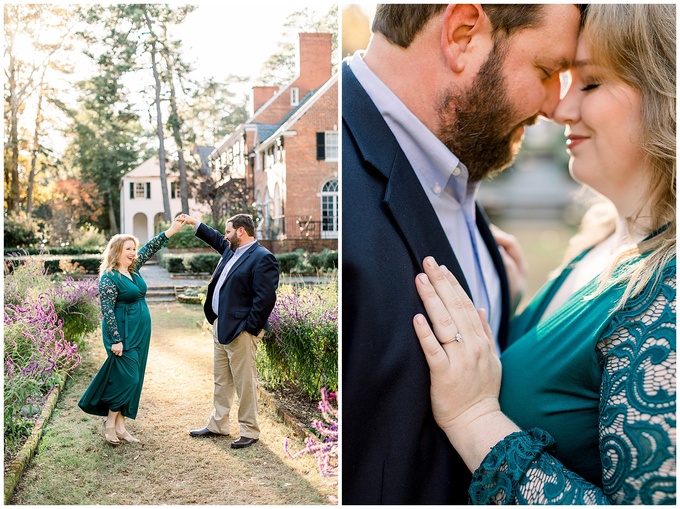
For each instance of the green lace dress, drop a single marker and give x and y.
(118, 383)
(593, 390)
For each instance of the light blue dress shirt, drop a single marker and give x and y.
(445, 182)
(223, 275)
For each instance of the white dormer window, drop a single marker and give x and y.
(140, 190)
(294, 96)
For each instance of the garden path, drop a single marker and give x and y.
(156, 276)
(74, 466)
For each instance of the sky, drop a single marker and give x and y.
(237, 37)
(222, 38)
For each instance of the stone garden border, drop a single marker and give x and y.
(19, 463)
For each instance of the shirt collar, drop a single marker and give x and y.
(241, 249)
(436, 167)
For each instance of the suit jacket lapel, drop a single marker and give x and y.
(421, 231)
(220, 266)
(485, 232)
(242, 259)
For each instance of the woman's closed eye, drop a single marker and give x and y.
(589, 87)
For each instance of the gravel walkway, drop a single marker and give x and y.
(156, 276)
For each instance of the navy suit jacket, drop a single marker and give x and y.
(248, 295)
(393, 451)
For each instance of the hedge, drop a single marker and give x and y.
(54, 264)
(66, 250)
(296, 262)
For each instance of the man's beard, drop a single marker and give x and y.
(479, 125)
(233, 243)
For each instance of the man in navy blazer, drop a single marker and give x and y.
(241, 296)
(437, 101)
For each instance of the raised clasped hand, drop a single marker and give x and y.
(187, 219)
(461, 353)
(177, 224)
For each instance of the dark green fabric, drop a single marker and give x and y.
(552, 374)
(118, 384)
(593, 388)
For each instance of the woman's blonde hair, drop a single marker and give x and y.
(113, 251)
(636, 42)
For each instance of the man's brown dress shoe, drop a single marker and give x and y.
(243, 442)
(205, 432)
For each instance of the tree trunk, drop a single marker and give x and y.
(176, 125)
(167, 213)
(177, 131)
(113, 221)
(12, 169)
(36, 147)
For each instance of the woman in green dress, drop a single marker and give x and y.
(126, 329)
(585, 409)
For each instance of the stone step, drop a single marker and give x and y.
(164, 293)
(160, 288)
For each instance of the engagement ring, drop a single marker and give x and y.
(457, 338)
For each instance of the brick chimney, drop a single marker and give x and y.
(314, 53)
(261, 95)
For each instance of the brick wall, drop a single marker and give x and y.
(314, 61)
(290, 245)
(305, 175)
(261, 95)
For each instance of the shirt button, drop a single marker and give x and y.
(456, 171)
(437, 189)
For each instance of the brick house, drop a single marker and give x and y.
(284, 158)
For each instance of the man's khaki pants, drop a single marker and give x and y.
(235, 371)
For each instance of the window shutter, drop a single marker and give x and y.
(132, 190)
(148, 190)
(320, 146)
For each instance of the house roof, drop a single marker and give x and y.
(308, 101)
(149, 168)
(264, 131)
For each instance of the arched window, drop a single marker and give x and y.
(329, 210)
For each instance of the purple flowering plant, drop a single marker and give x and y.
(44, 319)
(326, 451)
(302, 348)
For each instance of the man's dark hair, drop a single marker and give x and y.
(400, 23)
(245, 221)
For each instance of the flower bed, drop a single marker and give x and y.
(302, 347)
(44, 323)
(326, 451)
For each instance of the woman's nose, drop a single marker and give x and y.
(567, 109)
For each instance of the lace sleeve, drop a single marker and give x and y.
(149, 249)
(108, 293)
(637, 414)
(637, 423)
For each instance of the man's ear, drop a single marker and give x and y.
(463, 25)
